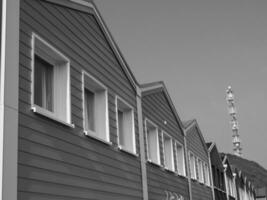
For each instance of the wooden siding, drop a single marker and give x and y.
(55, 161)
(218, 174)
(161, 181)
(156, 108)
(200, 191)
(195, 145)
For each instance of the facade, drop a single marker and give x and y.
(244, 188)
(199, 167)
(75, 123)
(217, 172)
(229, 179)
(75, 98)
(165, 145)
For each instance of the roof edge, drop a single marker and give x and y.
(90, 4)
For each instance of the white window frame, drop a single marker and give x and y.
(127, 149)
(101, 135)
(157, 161)
(193, 174)
(200, 170)
(183, 173)
(61, 71)
(207, 173)
(171, 168)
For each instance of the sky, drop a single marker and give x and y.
(199, 48)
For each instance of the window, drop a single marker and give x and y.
(43, 87)
(51, 81)
(168, 152)
(95, 110)
(206, 174)
(180, 158)
(125, 126)
(152, 142)
(200, 171)
(192, 165)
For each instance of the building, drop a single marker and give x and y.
(75, 123)
(69, 95)
(244, 188)
(217, 172)
(229, 179)
(165, 145)
(199, 162)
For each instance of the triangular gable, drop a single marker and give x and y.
(155, 87)
(90, 7)
(213, 149)
(226, 162)
(188, 125)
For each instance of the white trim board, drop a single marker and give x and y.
(9, 99)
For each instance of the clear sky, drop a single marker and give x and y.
(198, 48)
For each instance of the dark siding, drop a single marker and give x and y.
(217, 174)
(57, 162)
(200, 191)
(160, 181)
(195, 145)
(156, 108)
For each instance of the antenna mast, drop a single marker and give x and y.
(232, 112)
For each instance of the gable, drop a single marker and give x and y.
(84, 23)
(216, 158)
(156, 107)
(195, 143)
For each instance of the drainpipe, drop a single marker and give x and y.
(142, 143)
(187, 166)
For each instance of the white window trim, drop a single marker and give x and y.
(184, 172)
(158, 147)
(163, 149)
(133, 126)
(89, 132)
(195, 172)
(201, 170)
(39, 110)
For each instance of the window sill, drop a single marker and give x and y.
(127, 151)
(41, 111)
(194, 179)
(169, 170)
(181, 175)
(154, 163)
(90, 135)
